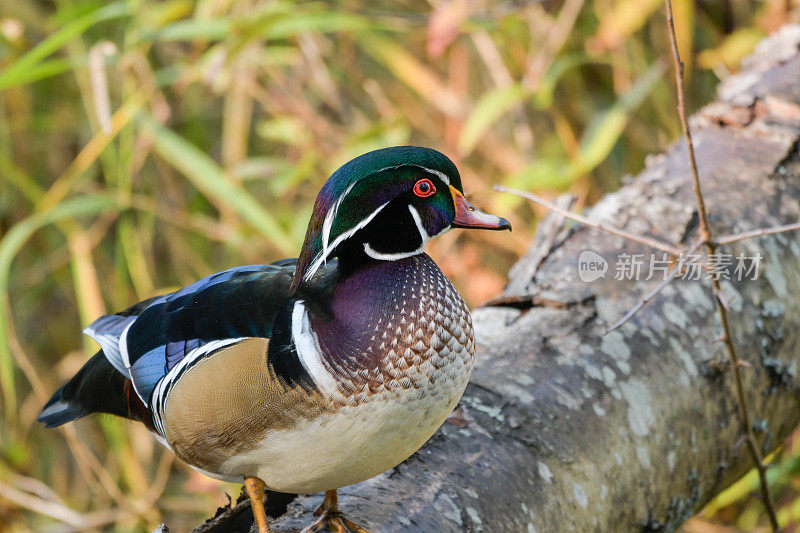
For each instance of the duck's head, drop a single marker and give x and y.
(386, 205)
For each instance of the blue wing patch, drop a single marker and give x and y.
(148, 339)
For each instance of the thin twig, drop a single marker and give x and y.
(58, 510)
(96, 62)
(671, 275)
(641, 239)
(557, 36)
(705, 236)
(727, 239)
(89, 465)
(160, 482)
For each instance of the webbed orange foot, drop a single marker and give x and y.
(255, 491)
(330, 514)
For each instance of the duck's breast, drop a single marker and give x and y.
(393, 363)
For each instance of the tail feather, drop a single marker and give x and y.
(57, 412)
(96, 388)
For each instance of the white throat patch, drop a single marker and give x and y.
(370, 251)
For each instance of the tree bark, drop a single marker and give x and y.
(565, 429)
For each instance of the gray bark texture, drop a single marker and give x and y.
(566, 429)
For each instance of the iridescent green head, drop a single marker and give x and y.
(386, 205)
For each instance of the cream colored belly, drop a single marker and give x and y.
(350, 445)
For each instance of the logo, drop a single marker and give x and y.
(645, 267)
(591, 266)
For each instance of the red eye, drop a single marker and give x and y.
(424, 187)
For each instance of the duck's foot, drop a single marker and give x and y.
(330, 514)
(255, 491)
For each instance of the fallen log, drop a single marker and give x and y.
(563, 428)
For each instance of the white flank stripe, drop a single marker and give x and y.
(308, 350)
(164, 385)
(163, 441)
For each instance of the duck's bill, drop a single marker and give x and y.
(469, 216)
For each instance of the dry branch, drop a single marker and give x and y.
(563, 428)
(642, 239)
(716, 288)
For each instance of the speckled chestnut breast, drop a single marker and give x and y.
(400, 330)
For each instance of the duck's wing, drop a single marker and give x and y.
(173, 331)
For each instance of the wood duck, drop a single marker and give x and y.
(307, 374)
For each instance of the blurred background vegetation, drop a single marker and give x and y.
(146, 143)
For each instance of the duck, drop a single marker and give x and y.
(307, 374)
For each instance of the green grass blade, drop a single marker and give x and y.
(413, 72)
(18, 72)
(604, 132)
(193, 29)
(322, 22)
(560, 67)
(275, 23)
(491, 106)
(10, 245)
(597, 142)
(212, 180)
(44, 70)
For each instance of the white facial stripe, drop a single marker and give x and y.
(373, 253)
(423, 233)
(326, 228)
(323, 255)
(441, 175)
(308, 350)
(328, 223)
(445, 230)
(370, 251)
